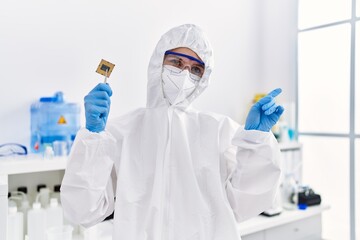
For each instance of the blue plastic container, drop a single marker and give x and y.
(52, 119)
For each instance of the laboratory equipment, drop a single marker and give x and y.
(60, 148)
(284, 132)
(308, 197)
(22, 189)
(40, 186)
(89, 233)
(56, 193)
(52, 119)
(36, 222)
(48, 153)
(59, 233)
(15, 224)
(54, 214)
(8, 149)
(289, 119)
(44, 196)
(289, 190)
(24, 205)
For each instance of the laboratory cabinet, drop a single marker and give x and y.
(309, 229)
(255, 236)
(294, 225)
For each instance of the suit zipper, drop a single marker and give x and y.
(166, 181)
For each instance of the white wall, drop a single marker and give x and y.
(278, 46)
(48, 45)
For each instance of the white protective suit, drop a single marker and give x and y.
(171, 172)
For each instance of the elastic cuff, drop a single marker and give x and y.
(84, 133)
(254, 136)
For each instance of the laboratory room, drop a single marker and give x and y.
(190, 120)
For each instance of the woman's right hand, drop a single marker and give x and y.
(97, 107)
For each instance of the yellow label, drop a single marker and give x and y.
(258, 96)
(61, 120)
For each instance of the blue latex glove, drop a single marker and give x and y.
(265, 113)
(97, 107)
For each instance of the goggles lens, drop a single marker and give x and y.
(182, 61)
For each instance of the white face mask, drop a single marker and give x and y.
(177, 86)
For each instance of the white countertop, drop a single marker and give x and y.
(261, 222)
(30, 163)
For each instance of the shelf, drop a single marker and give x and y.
(290, 146)
(30, 163)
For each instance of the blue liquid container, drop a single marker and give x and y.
(52, 119)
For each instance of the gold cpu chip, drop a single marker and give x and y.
(105, 68)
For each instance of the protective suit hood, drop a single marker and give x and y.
(189, 36)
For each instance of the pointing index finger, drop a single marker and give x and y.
(275, 92)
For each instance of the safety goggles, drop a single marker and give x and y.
(181, 61)
(8, 149)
